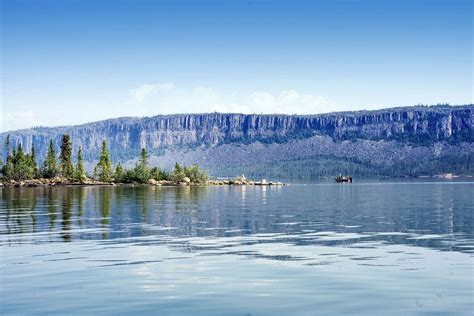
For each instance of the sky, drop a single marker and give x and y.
(69, 62)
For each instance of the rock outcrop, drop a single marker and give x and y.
(408, 127)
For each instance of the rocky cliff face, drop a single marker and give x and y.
(409, 126)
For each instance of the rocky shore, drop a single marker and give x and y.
(58, 181)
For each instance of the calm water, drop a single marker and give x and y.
(365, 248)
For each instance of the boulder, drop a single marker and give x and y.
(152, 182)
(165, 182)
(187, 180)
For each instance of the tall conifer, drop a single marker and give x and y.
(80, 171)
(103, 169)
(33, 164)
(7, 168)
(142, 170)
(50, 167)
(66, 167)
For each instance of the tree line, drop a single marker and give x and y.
(20, 165)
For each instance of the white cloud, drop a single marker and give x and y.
(166, 98)
(146, 90)
(18, 120)
(172, 99)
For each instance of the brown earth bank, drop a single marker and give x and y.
(66, 182)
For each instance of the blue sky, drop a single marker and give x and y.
(70, 62)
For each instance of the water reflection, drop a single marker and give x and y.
(404, 248)
(437, 216)
(66, 200)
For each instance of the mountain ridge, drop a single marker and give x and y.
(363, 111)
(405, 132)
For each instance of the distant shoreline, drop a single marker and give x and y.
(34, 183)
(165, 183)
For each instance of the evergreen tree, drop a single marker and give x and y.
(14, 156)
(80, 173)
(159, 174)
(118, 173)
(142, 170)
(22, 168)
(33, 164)
(7, 168)
(102, 170)
(178, 173)
(177, 168)
(7, 146)
(20, 155)
(144, 158)
(50, 168)
(129, 175)
(195, 174)
(66, 166)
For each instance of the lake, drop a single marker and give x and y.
(397, 248)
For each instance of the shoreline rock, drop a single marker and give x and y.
(42, 182)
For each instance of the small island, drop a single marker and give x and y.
(21, 170)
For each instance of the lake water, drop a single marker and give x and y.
(391, 248)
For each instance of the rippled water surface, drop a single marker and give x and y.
(365, 248)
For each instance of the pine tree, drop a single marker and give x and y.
(144, 158)
(8, 167)
(22, 168)
(142, 170)
(19, 153)
(195, 174)
(159, 174)
(7, 145)
(50, 168)
(66, 166)
(80, 173)
(14, 156)
(102, 170)
(178, 173)
(177, 168)
(11, 162)
(19, 157)
(118, 173)
(33, 164)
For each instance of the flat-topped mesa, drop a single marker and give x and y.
(126, 136)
